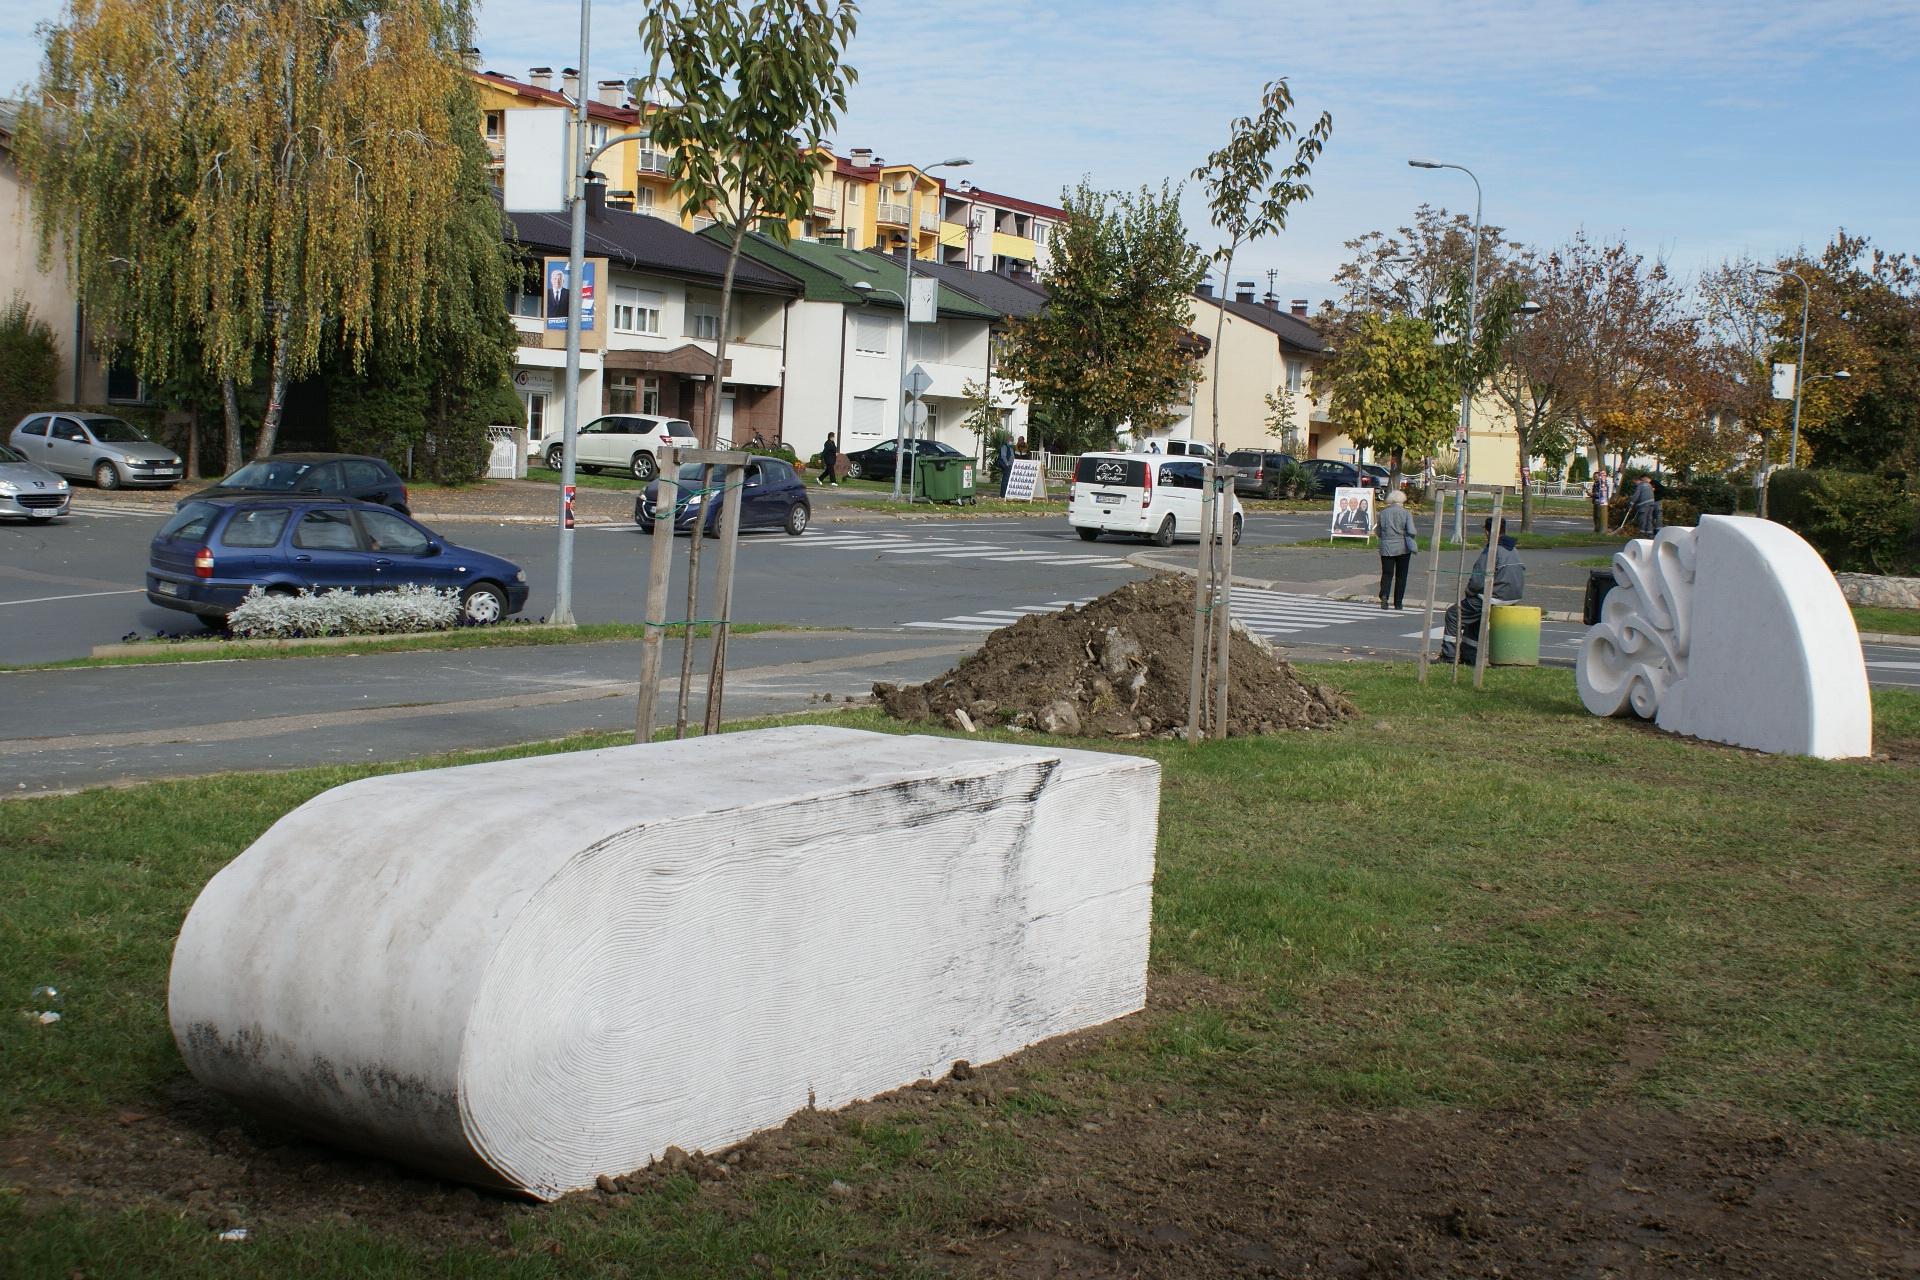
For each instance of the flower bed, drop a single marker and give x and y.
(305, 615)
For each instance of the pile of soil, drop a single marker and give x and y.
(1117, 668)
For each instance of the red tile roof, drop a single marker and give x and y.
(595, 110)
(1013, 202)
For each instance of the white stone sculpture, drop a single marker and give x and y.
(529, 973)
(1735, 632)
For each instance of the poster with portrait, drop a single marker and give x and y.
(557, 294)
(1353, 513)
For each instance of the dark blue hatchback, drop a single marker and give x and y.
(214, 550)
(772, 496)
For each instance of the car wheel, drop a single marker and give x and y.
(1239, 527)
(483, 603)
(1271, 492)
(556, 458)
(107, 476)
(1086, 534)
(644, 467)
(797, 517)
(1163, 536)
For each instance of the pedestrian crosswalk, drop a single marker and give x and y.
(1265, 613)
(957, 550)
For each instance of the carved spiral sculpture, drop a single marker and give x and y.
(1642, 642)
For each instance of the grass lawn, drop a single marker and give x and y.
(1905, 622)
(1458, 900)
(584, 479)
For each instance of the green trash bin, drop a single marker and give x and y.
(944, 479)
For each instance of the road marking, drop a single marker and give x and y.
(1885, 665)
(84, 595)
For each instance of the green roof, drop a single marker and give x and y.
(829, 272)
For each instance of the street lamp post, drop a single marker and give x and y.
(1473, 315)
(906, 322)
(866, 289)
(1799, 370)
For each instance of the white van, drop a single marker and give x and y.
(1149, 496)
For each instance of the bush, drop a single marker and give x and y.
(29, 363)
(1861, 523)
(781, 450)
(1578, 472)
(344, 613)
(1712, 495)
(1790, 498)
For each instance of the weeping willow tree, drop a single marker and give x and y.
(254, 185)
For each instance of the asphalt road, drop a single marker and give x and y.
(902, 599)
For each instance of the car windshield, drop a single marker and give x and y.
(114, 431)
(270, 476)
(8, 455)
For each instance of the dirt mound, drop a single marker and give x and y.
(1116, 668)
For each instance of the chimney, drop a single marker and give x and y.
(861, 157)
(596, 197)
(540, 77)
(1298, 307)
(1243, 291)
(570, 82)
(471, 56)
(1205, 289)
(611, 93)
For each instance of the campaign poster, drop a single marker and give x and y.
(558, 294)
(1353, 513)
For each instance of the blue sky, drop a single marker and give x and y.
(1698, 129)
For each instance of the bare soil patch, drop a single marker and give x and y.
(1134, 1180)
(1116, 667)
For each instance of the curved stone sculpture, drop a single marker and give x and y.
(1735, 632)
(528, 973)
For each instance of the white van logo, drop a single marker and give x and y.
(1111, 473)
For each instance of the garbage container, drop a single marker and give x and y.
(1599, 582)
(1513, 636)
(944, 479)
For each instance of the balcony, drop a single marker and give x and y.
(891, 215)
(651, 161)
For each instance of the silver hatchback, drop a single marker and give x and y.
(96, 447)
(30, 491)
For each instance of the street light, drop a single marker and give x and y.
(865, 288)
(906, 321)
(1800, 370)
(1473, 312)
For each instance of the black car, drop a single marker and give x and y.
(313, 475)
(1257, 472)
(773, 496)
(1325, 475)
(877, 463)
(214, 551)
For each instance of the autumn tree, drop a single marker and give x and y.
(248, 183)
(1112, 345)
(1392, 387)
(1741, 325)
(1414, 267)
(751, 89)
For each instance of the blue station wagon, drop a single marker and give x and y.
(214, 550)
(772, 497)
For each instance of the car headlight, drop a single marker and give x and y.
(8, 487)
(519, 575)
(695, 499)
(133, 461)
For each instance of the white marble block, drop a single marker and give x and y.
(1735, 632)
(529, 973)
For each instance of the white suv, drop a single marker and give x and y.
(625, 441)
(1147, 495)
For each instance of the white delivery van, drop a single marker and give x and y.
(1147, 495)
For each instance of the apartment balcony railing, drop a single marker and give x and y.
(496, 150)
(651, 161)
(929, 220)
(893, 215)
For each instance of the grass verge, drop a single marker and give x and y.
(584, 479)
(1460, 899)
(1903, 622)
(465, 638)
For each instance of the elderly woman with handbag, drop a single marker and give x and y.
(1398, 542)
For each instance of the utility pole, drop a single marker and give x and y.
(576, 254)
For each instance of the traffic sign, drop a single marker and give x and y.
(917, 381)
(916, 414)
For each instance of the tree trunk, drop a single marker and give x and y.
(193, 446)
(276, 392)
(230, 404)
(1197, 683)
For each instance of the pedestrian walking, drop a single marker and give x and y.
(1646, 507)
(1602, 490)
(1003, 457)
(829, 460)
(1398, 542)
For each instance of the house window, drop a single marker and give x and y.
(869, 417)
(124, 386)
(536, 415)
(597, 135)
(650, 396)
(496, 125)
(1296, 375)
(643, 200)
(636, 310)
(703, 320)
(870, 335)
(623, 394)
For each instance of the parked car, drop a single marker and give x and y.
(28, 489)
(1325, 475)
(1157, 498)
(214, 550)
(629, 442)
(876, 463)
(773, 496)
(321, 475)
(1258, 471)
(1381, 476)
(1183, 448)
(97, 447)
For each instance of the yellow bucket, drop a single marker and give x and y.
(1513, 636)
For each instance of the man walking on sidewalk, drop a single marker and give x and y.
(829, 460)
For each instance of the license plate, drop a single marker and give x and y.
(169, 588)
(1106, 499)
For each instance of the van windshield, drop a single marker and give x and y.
(1128, 472)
